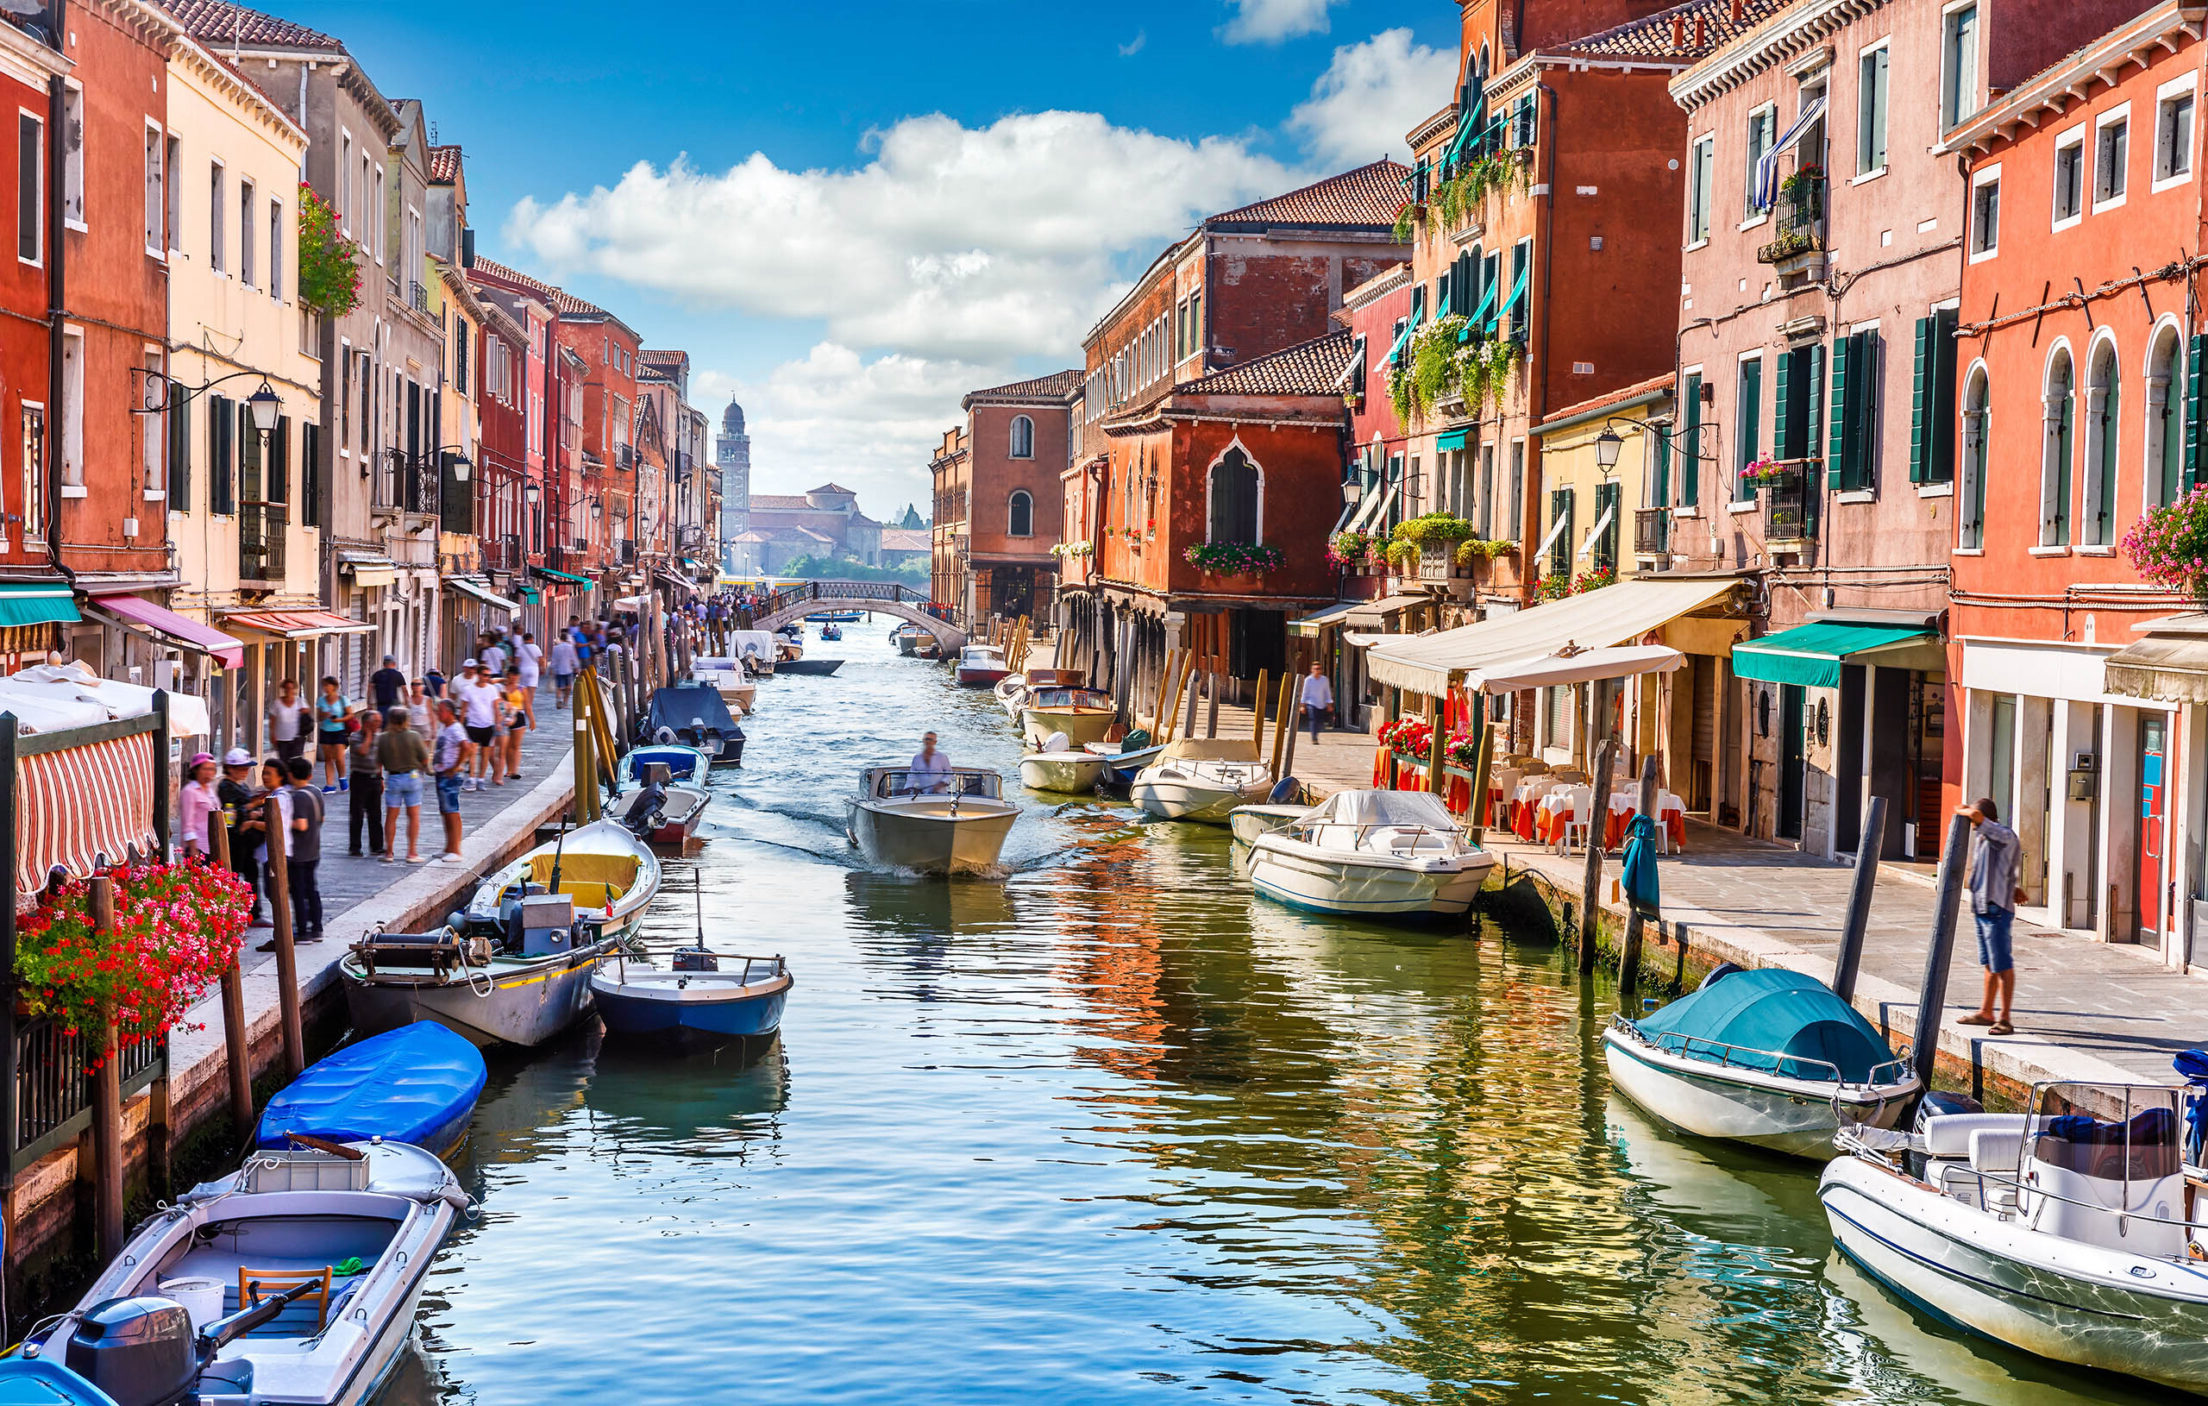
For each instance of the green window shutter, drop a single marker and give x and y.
(279, 461)
(1837, 445)
(219, 442)
(1920, 406)
(310, 474)
(1442, 290)
(1491, 274)
(2196, 351)
(1659, 491)
(1863, 359)
(1690, 463)
(1941, 465)
(1749, 418)
(180, 457)
(1784, 423)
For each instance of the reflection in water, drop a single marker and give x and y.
(1113, 1129)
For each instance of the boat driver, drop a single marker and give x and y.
(931, 770)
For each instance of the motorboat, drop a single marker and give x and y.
(820, 667)
(931, 821)
(703, 999)
(1371, 854)
(1055, 766)
(1011, 693)
(726, 673)
(1040, 677)
(1084, 715)
(416, 1084)
(514, 967)
(694, 715)
(755, 650)
(1246, 823)
(682, 763)
(981, 666)
(2062, 1231)
(1124, 760)
(667, 816)
(1201, 778)
(293, 1280)
(1768, 1057)
(905, 635)
(831, 632)
(835, 617)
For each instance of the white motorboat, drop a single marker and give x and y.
(1056, 766)
(1769, 1057)
(932, 821)
(2061, 1231)
(981, 666)
(1201, 779)
(1246, 823)
(726, 673)
(1372, 854)
(1084, 715)
(673, 817)
(754, 651)
(293, 1280)
(1011, 691)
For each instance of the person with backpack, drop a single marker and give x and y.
(303, 850)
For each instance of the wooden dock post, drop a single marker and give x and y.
(287, 959)
(1437, 753)
(1482, 774)
(1629, 952)
(1284, 722)
(1258, 702)
(1211, 698)
(237, 1048)
(1590, 908)
(1932, 996)
(1858, 921)
(107, 1103)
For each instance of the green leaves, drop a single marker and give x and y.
(329, 263)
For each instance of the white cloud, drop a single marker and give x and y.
(1134, 46)
(982, 243)
(1271, 21)
(1370, 95)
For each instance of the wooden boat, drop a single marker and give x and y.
(1371, 854)
(907, 637)
(2062, 1231)
(727, 675)
(1201, 779)
(1084, 715)
(693, 715)
(515, 966)
(835, 617)
(1056, 678)
(674, 819)
(933, 822)
(821, 667)
(1063, 769)
(293, 1280)
(416, 1084)
(705, 999)
(981, 666)
(1768, 1057)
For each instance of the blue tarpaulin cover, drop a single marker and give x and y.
(1778, 1020)
(689, 705)
(405, 1085)
(27, 1382)
(1639, 877)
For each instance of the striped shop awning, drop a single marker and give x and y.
(74, 805)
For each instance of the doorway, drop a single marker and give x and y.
(2153, 824)
(1792, 760)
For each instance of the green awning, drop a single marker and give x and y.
(37, 603)
(1810, 655)
(551, 575)
(1454, 439)
(531, 594)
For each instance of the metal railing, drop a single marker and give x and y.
(1651, 531)
(1786, 499)
(417, 297)
(261, 541)
(53, 1093)
(1730, 1056)
(1801, 220)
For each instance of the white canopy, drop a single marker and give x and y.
(1614, 615)
(50, 696)
(759, 642)
(1386, 808)
(1549, 670)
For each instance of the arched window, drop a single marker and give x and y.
(1971, 519)
(2059, 402)
(1023, 437)
(2165, 418)
(2102, 393)
(1235, 487)
(1021, 518)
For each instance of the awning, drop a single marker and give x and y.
(639, 604)
(296, 624)
(1598, 619)
(37, 603)
(177, 629)
(670, 579)
(1454, 439)
(1582, 666)
(570, 577)
(2170, 667)
(1324, 616)
(468, 586)
(1810, 655)
(368, 568)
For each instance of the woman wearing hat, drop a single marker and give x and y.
(196, 802)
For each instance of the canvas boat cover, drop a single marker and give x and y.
(401, 1086)
(1210, 749)
(1777, 1021)
(1409, 809)
(689, 706)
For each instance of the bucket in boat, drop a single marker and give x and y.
(201, 1298)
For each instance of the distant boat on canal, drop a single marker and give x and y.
(933, 822)
(704, 999)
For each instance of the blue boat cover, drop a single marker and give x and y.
(39, 1382)
(1776, 1020)
(403, 1086)
(692, 707)
(681, 762)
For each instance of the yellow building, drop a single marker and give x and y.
(242, 503)
(1605, 471)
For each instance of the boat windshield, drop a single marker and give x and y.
(896, 783)
(1069, 698)
(2113, 1134)
(1404, 808)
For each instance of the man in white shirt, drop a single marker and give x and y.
(931, 770)
(479, 715)
(492, 658)
(531, 659)
(1318, 698)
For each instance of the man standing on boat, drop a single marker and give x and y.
(928, 764)
(1994, 894)
(1318, 699)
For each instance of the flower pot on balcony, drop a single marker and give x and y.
(1234, 583)
(1437, 561)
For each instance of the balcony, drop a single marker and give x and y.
(627, 551)
(261, 544)
(1785, 496)
(417, 297)
(1651, 532)
(502, 553)
(1797, 246)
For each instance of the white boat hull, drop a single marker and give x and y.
(1354, 885)
(1794, 1116)
(1247, 823)
(2060, 1298)
(1179, 792)
(1062, 771)
(931, 842)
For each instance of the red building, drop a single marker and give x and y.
(34, 599)
(2077, 407)
(1016, 439)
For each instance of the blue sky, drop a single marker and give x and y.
(850, 214)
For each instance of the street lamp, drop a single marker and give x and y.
(1607, 445)
(266, 406)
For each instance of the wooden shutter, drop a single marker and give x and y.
(180, 457)
(1920, 406)
(1690, 462)
(1940, 465)
(2196, 350)
(220, 441)
(1784, 424)
(310, 474)
(1863, 362)
(1837, 444)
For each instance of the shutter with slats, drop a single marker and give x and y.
(1813, 419)
(1784, 424)
(1941, 459)
(1863, 363)
(219, 444)
(2196, 351)
(1920, 406)
(1837, 446)
(180, 457)
(1690, 462)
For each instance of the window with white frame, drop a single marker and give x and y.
(2069, 186)
(347, 201)
(72, 425)
(1234, 498)
(218, 211)
(1762, 132)
(72, 155)
(1970, 515)
(1701, 169)
(246, 207)
(30, 194)
(1985, 213)
(1870, 110)
(2173, 132)
(1023, 437)
(2103, 409)
(2165, 446)
(2059, 408)
(174, 180)
(34, 471)
(1958, 65)
(276, 250)
(153, 432)
(1020, 514)
(157, 201)
(379, 218)
(2111, 157)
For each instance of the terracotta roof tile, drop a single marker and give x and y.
(780, 502)
(558, 299)
(1310, 368)
(1056, 386)
(218, 22)
(656, 357)
(905, 539)
(1702, 26)
(1369, 195)
(444, 164)
(1616, 397)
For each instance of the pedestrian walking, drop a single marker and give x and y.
(1318, 699)
(492, 657)
(387, 685)
(419, 705)
(478, 709)
(274, 795)
(235, 792)
(566, 664)
(288, 721)
(450, 764)
(302, 809)
(197, 805)
(530, 659)
(403, 754)
(519, 707)
(1994, 894)
(333, 722)
(367, 778)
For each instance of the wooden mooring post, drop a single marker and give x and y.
(237, 1046)
(1590, 902)
(107, 1100)
(1858, 921)
(1932, 996)
(1629, 951)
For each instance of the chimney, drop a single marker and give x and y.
(1736, 13)
(1679, 31)
(1702, 31)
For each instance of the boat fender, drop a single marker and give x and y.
(456, 919)
(1285, 791)
(1719, 973)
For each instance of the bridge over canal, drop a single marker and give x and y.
(803, 598)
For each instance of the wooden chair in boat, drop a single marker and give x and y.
(255, 1285)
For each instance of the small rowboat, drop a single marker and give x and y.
(707, 999)
(675, 819)
(416, 1084)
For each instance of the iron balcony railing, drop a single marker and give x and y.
(1651, 532)
(1801, 219)
(261, 541)
(418, 296)
(627, 553)
(1786, 498)
(53, 1093)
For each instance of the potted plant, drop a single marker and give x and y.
(1235, 562)
(1347, 549)
(2169, 545)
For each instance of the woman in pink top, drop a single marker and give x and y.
(195, 802)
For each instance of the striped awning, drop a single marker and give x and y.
(80, 804)
(296, 624)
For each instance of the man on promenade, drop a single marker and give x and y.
(449, 763)
(235, 792)
(303, 852)
(404, 756)
(1318, 699)
(566, 664)
(1994, 894)
(387, 685)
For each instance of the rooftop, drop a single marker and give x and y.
(1056, 386)
(558, 299)
(1369, 195)
(1653, 386)
(220, 22)
(1699, 27)
(906, 539)
(1309, 368)
(444, 164)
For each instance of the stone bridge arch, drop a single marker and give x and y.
(878, 597)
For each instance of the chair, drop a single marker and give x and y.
(1578, 820)
(1570, 775)
(257, 1284)
(1534, 766)
(1503, 783)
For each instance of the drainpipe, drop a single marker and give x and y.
(1539, 399)
(57, 412)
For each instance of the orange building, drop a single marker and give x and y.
(1016, 447)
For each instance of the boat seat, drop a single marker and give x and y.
(1962, 1184)
(301, 1318)
(1997, 1151)
(1948, 1134)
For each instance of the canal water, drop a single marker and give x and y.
(1111, 1130)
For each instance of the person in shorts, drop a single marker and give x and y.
(1994, 894)
(567, 662)
(404, 756)
(333, 728)
(478, 700)
(450, 764)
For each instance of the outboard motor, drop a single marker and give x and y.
(695, 959)
(1285, 791)
(1936, 1103)
(140, 1351)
